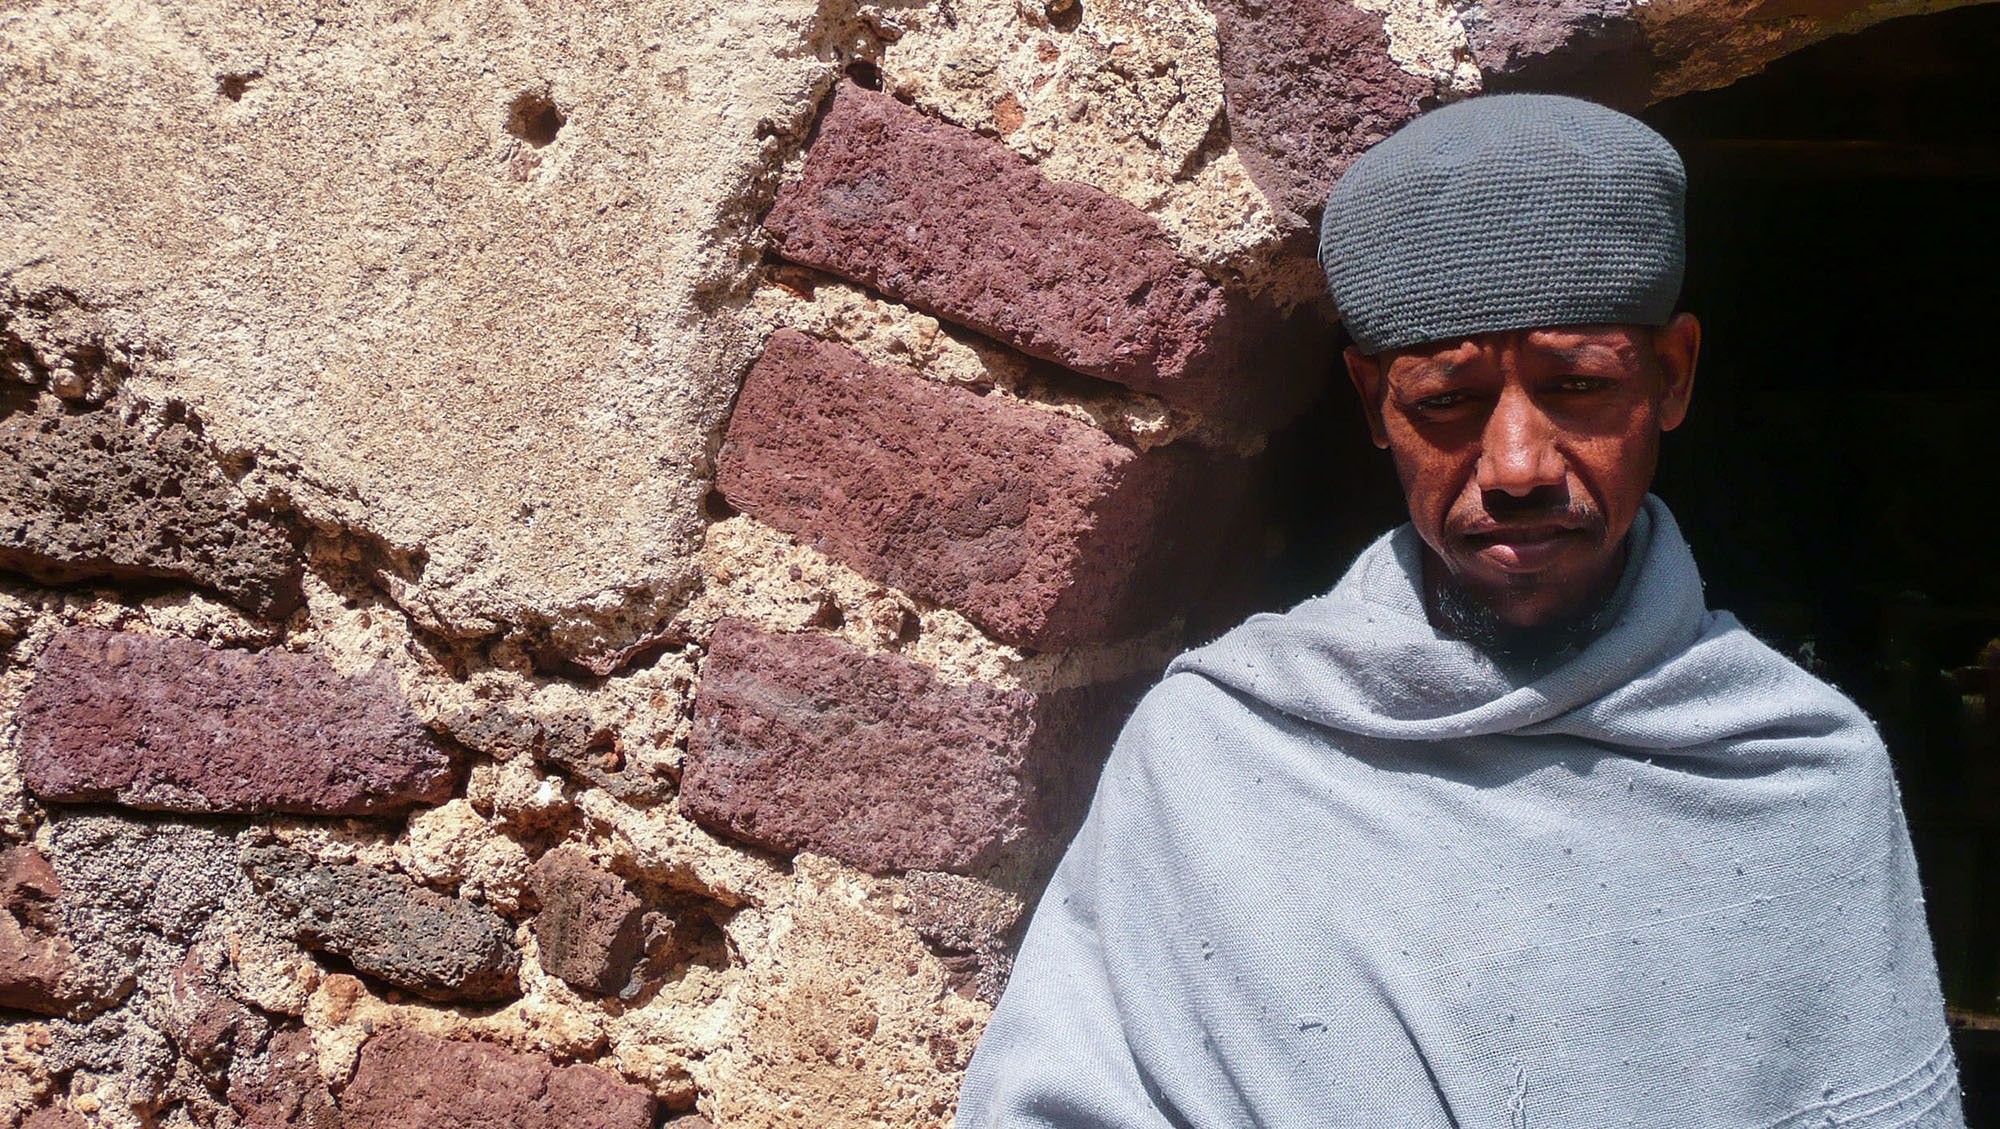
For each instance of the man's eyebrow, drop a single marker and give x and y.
(1594, 353)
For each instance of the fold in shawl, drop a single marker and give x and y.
(1341, 871)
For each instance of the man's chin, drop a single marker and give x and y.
(1525, 599)
(1515, 592)
(1524, 606)
(1514, 623)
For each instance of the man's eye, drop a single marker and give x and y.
(1440, 401)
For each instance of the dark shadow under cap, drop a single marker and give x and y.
(1504, 212)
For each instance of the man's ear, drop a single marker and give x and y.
(1678, 346)
(1366, 373)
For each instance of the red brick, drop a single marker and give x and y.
(405, 1078)
(36, 967)
(1036, 526)
(804, 742)
(171, 725)
(591, 929)
(958, 225)
(1308, 86)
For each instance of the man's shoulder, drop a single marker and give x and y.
(1737, 693)
(1766, 665)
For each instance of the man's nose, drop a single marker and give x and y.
(1518, 448)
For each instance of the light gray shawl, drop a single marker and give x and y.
(1341, 871)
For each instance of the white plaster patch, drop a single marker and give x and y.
(1428, 39)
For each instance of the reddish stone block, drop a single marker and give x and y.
(171, 725)
(591, 930)
(1036, 526)
(804, 742)
(1308, 86)
(36, 966)
(405, 1078)
(1591, 48)
(960, 226)
(283, 1089)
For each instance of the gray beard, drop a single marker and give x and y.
(1529, 651)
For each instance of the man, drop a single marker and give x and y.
(1508, 829)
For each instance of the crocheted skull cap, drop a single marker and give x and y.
(1505, 212)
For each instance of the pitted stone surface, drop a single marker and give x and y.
(960, 226)
(405, 1078)
(141, 897)
(438, 947)
(100, 494)
(591, 930)
(37, 972)
(970, 924)
(1591, 48)
(500, 351)
(171, 725)
(1309, 85)
(959, 913)
(804, 742)
(50, 339)
(282, 1089)
(1036, 526)
(212, 1029)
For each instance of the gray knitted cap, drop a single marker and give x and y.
(1505, 212)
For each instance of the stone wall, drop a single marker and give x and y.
(573, 564)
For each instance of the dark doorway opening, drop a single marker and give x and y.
(1839, 477)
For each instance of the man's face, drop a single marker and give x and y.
(1525, 455)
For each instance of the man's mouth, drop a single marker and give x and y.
(1525, 547)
